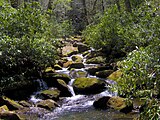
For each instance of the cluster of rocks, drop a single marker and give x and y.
(58, 82)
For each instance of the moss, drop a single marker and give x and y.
(115, 75)
(52, 93)
(86, 82)
(49, 70)
(3, 108)
(96, 60)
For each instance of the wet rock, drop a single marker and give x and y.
(52, 93)
(117, 103)
(77, 58)
(57, 67)
(49, 70)
(69, 50)
(9, 115)
(76, 66)
(24, 103)
(121, 104)
(93, 70)
(88, 86)
(3, 108)
(115, 75)
(78, 73)
(67, 64)
(81, 46)
(47, 104)
(62, 86)
(11, 104)
(104, 73)
(96, 60)
(51, 79)
(101, 103)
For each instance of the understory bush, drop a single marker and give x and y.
(27, 44)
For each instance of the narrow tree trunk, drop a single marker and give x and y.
(128, 6)
(103, 8)
(85, 11)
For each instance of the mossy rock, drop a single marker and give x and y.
(62, 86)
(51, 93)
(24, 103)
(11, 104)
(76, 66)
(93, 70)
(115, 75)
(81, 46)
(96, 60)
(104, 73)
(67, 64)
(77, 58)
(77, 73)
(69, 50)
(49, 70)
(3, 108)
(57, 67)
(51, 79)
(122, 104)
(47, 104)
(88, 86)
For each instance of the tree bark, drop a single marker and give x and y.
(128, 5)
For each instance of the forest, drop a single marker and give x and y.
(58, 54)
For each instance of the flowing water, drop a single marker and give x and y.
(79, 107)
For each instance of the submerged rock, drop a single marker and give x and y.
(11, 104)
(88, 86)
(47, 104)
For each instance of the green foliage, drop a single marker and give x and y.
(122, 31)
(140, 72)
(151, 110)
(27, 44)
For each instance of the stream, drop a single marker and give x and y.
(78, 107)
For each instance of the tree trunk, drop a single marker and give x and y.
(85, 11)
(128, 5)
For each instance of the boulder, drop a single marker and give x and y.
(81, 46)
(101, 103)
(62, 86)
(11, 104)
(118, 103)
(51, 79)
(69, 50)
(52, 93)
(115, 75)
(76, 66)
(77, 58)
(96, 60)
(104, 73)
(47, 104)
(93, 70)
(88, 86)
(67, 64)
(78, 73)
(3, 108)
(121, 104)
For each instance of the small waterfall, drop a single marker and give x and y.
(42, 84)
